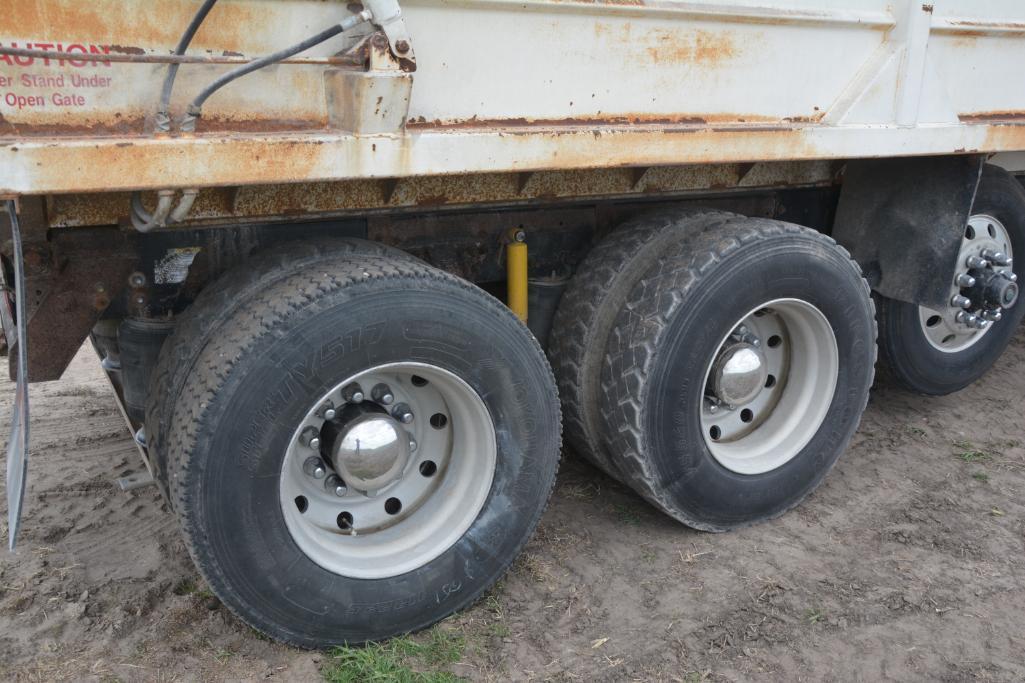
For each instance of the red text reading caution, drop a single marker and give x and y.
(89, 52)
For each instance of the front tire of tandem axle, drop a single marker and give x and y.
(361, 449)
(938, 352)
(738, 371)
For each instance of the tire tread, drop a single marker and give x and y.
(632, 347)
(267, 311)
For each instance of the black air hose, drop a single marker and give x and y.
(196, 108)
(183, 44)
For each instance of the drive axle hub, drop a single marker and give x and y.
(387, 470)
(739, 374)
(371, 453)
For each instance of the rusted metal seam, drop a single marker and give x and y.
(40, 166)
(157, 58)
(963, 25)
(727, 12)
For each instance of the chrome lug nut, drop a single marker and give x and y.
(314, 467)
(976, 262)
(413, 445)
(993, 315)
(402, 413)
(310, 438)
(965, 281)
(382, 394)
(966, 318)
(353, 393)
(747, 338)
(335, 485)
(1013, 277)
(998, 258)
(960, 301)
(981, 324)
(327, 411)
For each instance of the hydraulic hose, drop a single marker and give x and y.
(166, 212)
(172, 70)
(196, 108)
(144, 221)
(184, 206)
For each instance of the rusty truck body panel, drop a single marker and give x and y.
(498, 87)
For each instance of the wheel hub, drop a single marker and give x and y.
(387, 470)
(984, 286)
(371, 453)
(993, 290)
(739, 374)
(769, 386)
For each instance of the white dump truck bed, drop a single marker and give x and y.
(500, 86)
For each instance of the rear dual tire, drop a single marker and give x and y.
(717, 285)
(261, 379)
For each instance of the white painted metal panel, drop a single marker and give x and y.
(511, 86)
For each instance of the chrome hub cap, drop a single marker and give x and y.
(739, 374)
(388, 470)
(984, 286)
(372, 453)
(769, 386)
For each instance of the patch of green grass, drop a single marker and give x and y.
(191, 586)
(969, 453)
(399, 660)
(492, 604)
(499, 630)
(980, 476)
(814, 616)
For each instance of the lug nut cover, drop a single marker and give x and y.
(382, 394)
(314, 467)
(402, 413)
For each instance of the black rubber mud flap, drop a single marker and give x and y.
(903, 219)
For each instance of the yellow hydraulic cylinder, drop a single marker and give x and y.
(516, 272)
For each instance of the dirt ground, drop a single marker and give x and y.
(907, 564)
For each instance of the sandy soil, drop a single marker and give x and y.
(907, 564)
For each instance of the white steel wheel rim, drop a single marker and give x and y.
(941, 328)
(441, 489)
(801, 356)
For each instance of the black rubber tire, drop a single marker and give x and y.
(672, 325)
(915, 363)
(202, 321)
(279, 351)
(594, 297)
